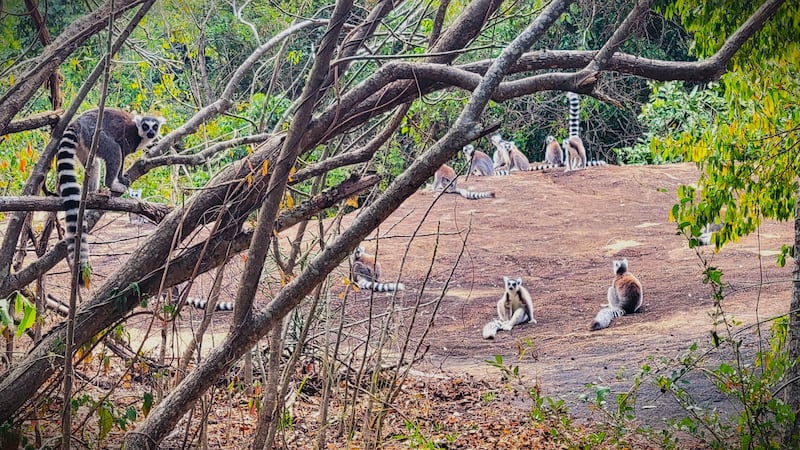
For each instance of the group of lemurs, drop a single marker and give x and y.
(507, 158)
(516, 304)
(123, 133)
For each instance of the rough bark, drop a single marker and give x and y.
(791, 437)
(49, 118)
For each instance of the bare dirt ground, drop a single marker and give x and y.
(560, 233)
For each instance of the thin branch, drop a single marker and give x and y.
(144, 165)
(356, 156)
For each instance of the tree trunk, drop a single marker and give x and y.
(791, 437)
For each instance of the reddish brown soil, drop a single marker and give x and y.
(560, 232)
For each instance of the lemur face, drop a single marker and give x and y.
(358, 252)
(149, 126)
(512, 284)
(468, 150)
(496, 138)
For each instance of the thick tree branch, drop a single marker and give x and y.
(152, 211)
(49, 118)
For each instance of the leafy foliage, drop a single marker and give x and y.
(747, 155)
(673, 115)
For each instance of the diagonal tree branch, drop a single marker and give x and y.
(244, 337)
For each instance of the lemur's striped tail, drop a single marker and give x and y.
(491, 328)
(70, 192)
(380, 287)
(200, 303)
(545, 166)
(473, 195)
(604, 318)
(574, 114)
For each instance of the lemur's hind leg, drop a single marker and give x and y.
(517, 318)
(613, 300)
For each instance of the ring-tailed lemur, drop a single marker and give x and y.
(445, 180)
(553, 153)
(366, 272)
(708, 233)
(624, 297)
(518, 159)
(479, 162)
(507, 156)
(575, 153)
(574, 150)
(122, 134)
(513, 308)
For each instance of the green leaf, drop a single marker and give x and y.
(148, 403)
(28, 317)
(106, 420)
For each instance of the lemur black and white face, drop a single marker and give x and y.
(508, 145)
(468, 150)
(496, 138)
(512, 284)
(358, 252)
(549, 139)
(148, 127)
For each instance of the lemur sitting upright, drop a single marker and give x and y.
(624, 297)
(479, 162)
(366, 273)
(513, 308)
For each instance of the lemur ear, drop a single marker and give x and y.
(519, 280)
